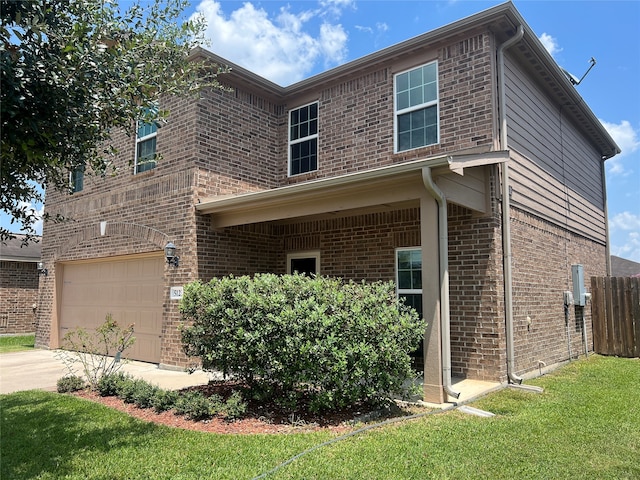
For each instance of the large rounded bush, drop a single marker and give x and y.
(334, 342)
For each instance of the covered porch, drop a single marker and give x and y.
(357, 226)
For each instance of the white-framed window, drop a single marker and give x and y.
(409, 276)
(145, 146)
(307, 263)
(76, 179)
(303, 139)
(416, 107)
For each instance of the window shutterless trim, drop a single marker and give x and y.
(300, 140)
(414, 108)
(142, 140)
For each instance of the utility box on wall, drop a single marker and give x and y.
(579, 291)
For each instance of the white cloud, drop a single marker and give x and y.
(281, 49)
(625, 235)
(624, 221)
(627, 139)
(550, 43)
(630, 249)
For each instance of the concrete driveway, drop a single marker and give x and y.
(41, 369)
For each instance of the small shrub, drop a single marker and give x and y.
(70, 383)
(144, 395)
(98, 353)
(235, 407)
(133, 388)
(194, 405)
(164, 400)
(333, 343)
(112, 384)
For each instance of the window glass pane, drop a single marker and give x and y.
(431, 115)
(431, 136)
(402, 82)
(404, 141)
(313, 110)
(416, 96)
(404, 259)
(430, 92)
(415, 78)
(77, 179)
(294, 117)
(402, 100)
(417, 120)
(404, 122)
(416, 279)
(145, 129)
(404, 279)
(304, 130)
(416, 259)
(429, 72)
(313, 127)
(304, 114)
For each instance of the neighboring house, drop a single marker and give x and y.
(462, 164)
(621, 267)
(19, 278)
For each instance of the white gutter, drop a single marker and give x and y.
(443, 247)
(506, 213)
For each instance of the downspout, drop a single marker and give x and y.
(607, 249)
(443, 250)
(506, 212)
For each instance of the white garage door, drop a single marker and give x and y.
(130, 289)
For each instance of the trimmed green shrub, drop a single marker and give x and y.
(164, 400)
(111, 385)
(70, 383)
(234, 407)
(144, 394)
(135, 390)
(194, 405)
(333, 342)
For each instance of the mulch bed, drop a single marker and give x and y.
(260, 418)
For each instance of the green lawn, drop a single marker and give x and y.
(16, 343)
(585, 425)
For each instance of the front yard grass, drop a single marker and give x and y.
(16, 343)
(586, 424)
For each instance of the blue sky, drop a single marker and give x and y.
(287, 41)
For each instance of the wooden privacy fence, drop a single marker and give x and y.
(615, 310)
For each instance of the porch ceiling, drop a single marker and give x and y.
(396, 184)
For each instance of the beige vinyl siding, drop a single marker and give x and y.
(555, 170)
(552, 201)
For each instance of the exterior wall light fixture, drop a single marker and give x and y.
(42, 270)
(170, 254)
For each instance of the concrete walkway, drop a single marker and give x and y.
(41, 369)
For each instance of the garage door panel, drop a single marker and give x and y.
(131, 290)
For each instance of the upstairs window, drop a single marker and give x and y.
(145, 147)
(303, 139)
(76, 179)
(416, 107)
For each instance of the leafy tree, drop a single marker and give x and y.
(73, 72)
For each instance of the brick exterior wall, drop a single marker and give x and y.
(235, 141)
(542, 257)
(18, 297)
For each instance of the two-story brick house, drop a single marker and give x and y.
(462, 164)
